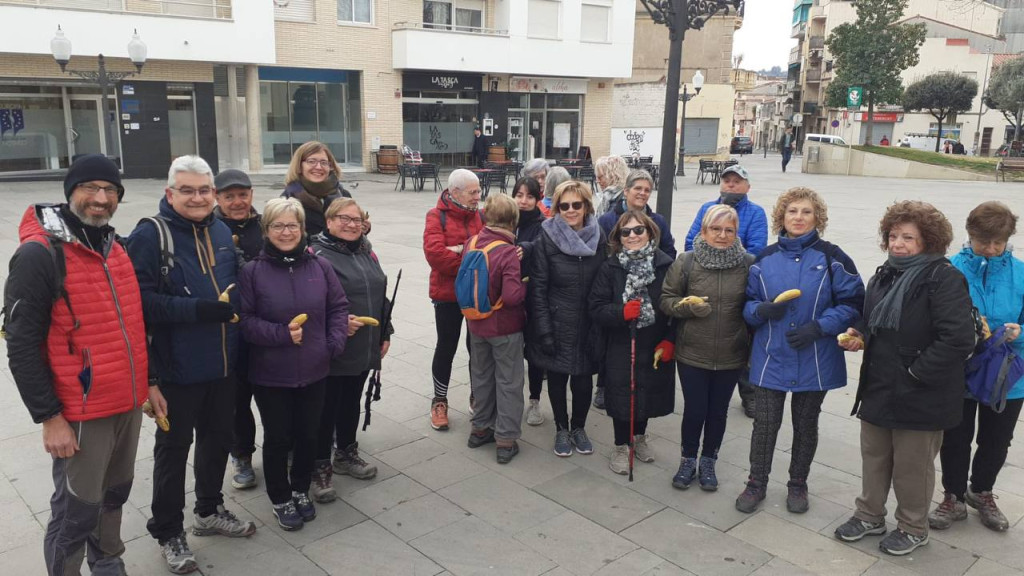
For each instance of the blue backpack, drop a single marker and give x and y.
(993, 371)
(472, 282)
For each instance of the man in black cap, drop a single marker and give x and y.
(76, 346)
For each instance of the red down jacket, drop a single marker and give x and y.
(448, 224)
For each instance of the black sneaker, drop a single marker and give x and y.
(599, 398)
(505, 455)
(304, 505)
(477, 440)
(288, 517)
(748, 407)
(854, 529)
(900, 543)
(752, 495)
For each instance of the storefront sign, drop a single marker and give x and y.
(446, 81)
(551, 85)
(885, 117)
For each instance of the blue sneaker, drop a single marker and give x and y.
(581, 441)
(563, 447)
(287, 516)
(304, 505)
(245, 476)
(686, 473)
(708, 479)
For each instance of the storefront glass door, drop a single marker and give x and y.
(84, 131)
(551, 125)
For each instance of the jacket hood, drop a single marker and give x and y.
(977, 264)
(50, 220)
(174, 218)
(446, 203)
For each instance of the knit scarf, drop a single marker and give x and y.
(639, 265)
(571, 242)
(313, 194)
(888, 312)
(711, 258)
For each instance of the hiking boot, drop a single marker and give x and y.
(796, 500)
(322, 489)
(478, 438)
(748, 407)
(245, 476)
(507, 453)
(563, 447)
(581, 442)
(985, 504)
(347, 462)
(533, 415)
(288, 517)
(641, 450)
(619, 462)
(439, 414)
(304, 506)
(686, 473)
(221, 522)
(900, 543)
(950, 510)
(750, 497)
(706, 474)
(599, 398)
(854, 529)
(180, 560)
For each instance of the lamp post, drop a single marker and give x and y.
(60, 47)
(698, 83)
(798, 121)
(679, 16)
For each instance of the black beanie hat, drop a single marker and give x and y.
(92, 167)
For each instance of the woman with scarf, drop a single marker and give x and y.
(527, 195)
(624, 302)
(711, 341)
(919, 333)
(314, 180)
(289, 358)
(564, 260)
(794, 349)
(611, 173)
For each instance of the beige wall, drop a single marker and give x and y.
(36, 66)
(714, 101)
(708, 49)
(597, 116)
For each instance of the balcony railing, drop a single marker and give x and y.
(449, 28)
(798, 30)
(217, 9)
(816, 42)
(794, 55)
(813, 75)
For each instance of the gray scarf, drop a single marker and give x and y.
(711, 258)
(639, 265)
(888, 312)
(571, 242)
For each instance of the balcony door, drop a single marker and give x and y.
(460, 15)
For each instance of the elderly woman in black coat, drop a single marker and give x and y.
(626, 294)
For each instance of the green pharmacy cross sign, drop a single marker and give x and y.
(854, 97)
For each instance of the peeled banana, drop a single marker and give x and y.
(687, 301)
(788, 295)
(844, 338)
(225, 296)
(163, 423)
(367, 320)
(657, 357)
(300, 319)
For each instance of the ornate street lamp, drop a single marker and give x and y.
(698, 83)
(60, 46)
(679, 16)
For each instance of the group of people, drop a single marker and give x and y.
(210, 304)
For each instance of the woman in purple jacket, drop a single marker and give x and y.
(289, 357)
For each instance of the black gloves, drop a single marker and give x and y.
(804, 336)
(547, 345)
(771, 310)
(214, 311)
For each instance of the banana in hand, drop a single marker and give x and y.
(367, 320)
(788, 295)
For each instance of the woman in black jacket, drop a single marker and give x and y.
(527, 195)
(919, 332)
(625, 297)
(564, 260)
(314, 180)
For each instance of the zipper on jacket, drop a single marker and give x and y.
(223, 327)
(124, 333)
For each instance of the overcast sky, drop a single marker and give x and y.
(764, 38)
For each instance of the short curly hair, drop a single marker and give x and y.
(795, 195)
(936, 231)
(991, 220)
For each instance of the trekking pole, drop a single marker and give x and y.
(632, 395)
(386, 313)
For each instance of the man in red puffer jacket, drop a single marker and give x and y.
(449, 224)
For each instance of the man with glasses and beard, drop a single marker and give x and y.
(76, 346)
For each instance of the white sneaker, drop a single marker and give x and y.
(533, 415)
(619, 462)
(643, 451)
(180, 560)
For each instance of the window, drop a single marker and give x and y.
(360, 11)
(294, 10)
(543, 18)
(595, 22)
(468, 15)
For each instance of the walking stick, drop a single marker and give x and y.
(386, 313)
(632, 394)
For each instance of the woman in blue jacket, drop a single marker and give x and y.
(996, 281)
(795, 348)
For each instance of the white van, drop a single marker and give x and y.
(826, 138)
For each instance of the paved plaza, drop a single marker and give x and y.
(438, 507)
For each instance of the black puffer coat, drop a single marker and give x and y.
(913, 378)
(655, 389)
(558, 296)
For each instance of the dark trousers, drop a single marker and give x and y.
(245, 424)
(291, 419)
(768, 407)
(621, 428)
(582, 393)
(340, 416)
(535, 374)
(706, 395)
(787, 153)
(208, 408)
(448, 321)
(995, 432)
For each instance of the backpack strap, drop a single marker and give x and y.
(166, 249)
(444, 220)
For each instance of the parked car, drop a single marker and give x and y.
(826, 138)
(741, 145)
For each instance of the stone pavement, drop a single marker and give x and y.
(437, 507)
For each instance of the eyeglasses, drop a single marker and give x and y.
(348, 220)
(188, 191)
(313, 163)
(637, 230)
(91, 189)
(719, 231)
(565, 206)
(279, 227)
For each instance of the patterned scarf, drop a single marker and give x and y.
(639, 265)
(711, 258)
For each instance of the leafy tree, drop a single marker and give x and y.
(872, 52)
(1006, 92)
(941, 95)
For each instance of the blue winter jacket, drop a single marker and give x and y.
(608, 219)
(834, 301)
(184, 350)
(997, 290)
(753, 230)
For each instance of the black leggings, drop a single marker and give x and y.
(535, 374)
(706, 395)
(582, 392)
(995, 432)
(621, 428)
(340, 417)
(244, 444)
(448, 321)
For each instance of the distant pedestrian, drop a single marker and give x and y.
(611, 173)
(884, 141)
(479, 151)
(786, 145)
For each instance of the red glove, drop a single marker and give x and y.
(668, 349)
(631, 310)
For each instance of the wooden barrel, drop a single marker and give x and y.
(387, 160)
(496, 153)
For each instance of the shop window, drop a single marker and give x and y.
(293, 113)
(468, 14)
(359, 11)
(543, 18)
(595, 21)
